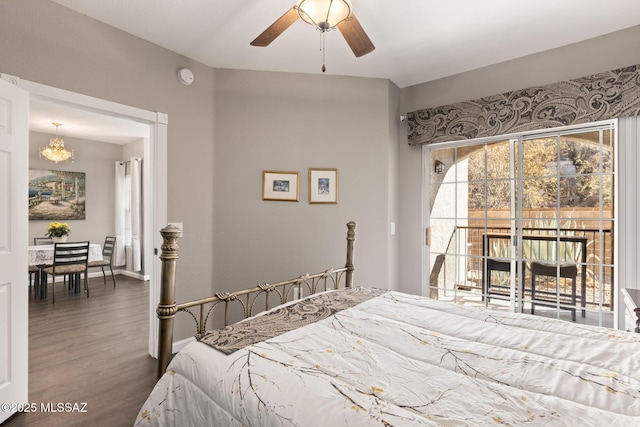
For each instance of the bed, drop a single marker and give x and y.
(357, 356)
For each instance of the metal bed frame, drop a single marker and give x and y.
(247, 299)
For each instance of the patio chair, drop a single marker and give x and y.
(497, 265)
(566, 271)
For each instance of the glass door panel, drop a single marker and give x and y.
(525, 224)
(567, 196)
(471, 212)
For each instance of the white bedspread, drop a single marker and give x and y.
(401, 360)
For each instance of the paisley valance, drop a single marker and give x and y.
(588, 99)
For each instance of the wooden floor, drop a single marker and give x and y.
(92, 351)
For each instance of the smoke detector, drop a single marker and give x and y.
(185, 76)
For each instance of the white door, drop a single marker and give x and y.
(14, 167)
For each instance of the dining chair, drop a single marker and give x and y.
(69, 258)
(107, 255)
(35, 269)
(45, 241)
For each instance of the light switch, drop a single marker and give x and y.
(393, 228)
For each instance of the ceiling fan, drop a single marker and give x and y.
(324, 15)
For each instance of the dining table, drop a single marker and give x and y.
(41, 256)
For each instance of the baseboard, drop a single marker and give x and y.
(132, 274)
(92, 274)
(98, 273)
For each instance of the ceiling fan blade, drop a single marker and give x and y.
(276, 28)
(355, 36)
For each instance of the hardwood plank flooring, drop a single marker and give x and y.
(90, 350)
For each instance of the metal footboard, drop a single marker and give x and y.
(237, 305)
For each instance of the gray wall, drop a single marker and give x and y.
(96, 160)
(604, 53)
(292, 122)
(133, 149)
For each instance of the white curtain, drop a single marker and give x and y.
(628, 250)
(120, 206)
(136, 210)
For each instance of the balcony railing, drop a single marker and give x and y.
(591, 250)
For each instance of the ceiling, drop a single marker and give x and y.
(416, 40)
(83, 124)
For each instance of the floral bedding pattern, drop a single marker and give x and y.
(403, 360)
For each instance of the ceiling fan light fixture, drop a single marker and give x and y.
(324, 14)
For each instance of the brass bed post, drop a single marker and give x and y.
(166, 310)
(351, 238)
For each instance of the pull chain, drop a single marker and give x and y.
(323, 48)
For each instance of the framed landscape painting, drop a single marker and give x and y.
(56, 195)
(281, 186)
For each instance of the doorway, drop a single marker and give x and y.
(525, 223)
(154, 175)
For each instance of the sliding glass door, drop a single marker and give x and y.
(525, 223)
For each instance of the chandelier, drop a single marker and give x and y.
(55, 151)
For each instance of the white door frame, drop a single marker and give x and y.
(155, 176)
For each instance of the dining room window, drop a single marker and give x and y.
(525, 223)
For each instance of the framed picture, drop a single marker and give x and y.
(323, 185)
(281, 186)
(56, 195)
